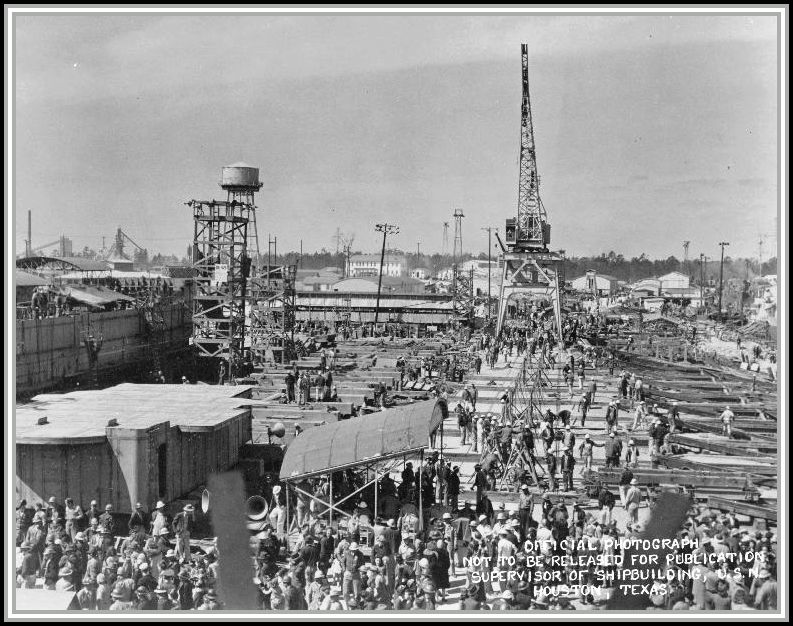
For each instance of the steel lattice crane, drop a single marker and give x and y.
(531, 271)
(530, 230)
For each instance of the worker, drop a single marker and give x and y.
(585, 452)
(613, 450)
(181, 529)
(639, 415)
(633, 499)
(727, 418)
(568, 465)
(632, 455)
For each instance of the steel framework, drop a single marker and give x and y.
(222, 265)
(272, 314)
(529, 267)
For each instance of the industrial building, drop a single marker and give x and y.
(604, 284)
(129, 443)
(369, 265)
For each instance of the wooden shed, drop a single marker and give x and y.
(129, 443)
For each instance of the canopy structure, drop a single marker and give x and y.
(363, 441)
(95, 296)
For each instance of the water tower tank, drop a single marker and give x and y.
(240, 175)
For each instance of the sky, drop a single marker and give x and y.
(649, 130)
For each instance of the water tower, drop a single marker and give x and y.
(222, 261)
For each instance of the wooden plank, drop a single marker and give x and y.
(743, 508)
(724, 447)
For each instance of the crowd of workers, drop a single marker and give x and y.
(546, 553)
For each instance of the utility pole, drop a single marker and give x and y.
(702, 280)
(386, 229)
(300, 262)
(489, 230)
(721, 272)
(29, 242)
(685, 256)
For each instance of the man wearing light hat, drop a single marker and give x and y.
(65, 582)
(158, 518)
(639, 415)
(504, 602)
(633, 498)
(352, 560)
(727, 418)
(26, 573)
(181, 529)
(525, 510)
(613, 450)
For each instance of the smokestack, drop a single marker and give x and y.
(29, 242)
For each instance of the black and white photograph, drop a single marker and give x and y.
(338, 313)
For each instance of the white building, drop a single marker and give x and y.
(369, 265)
(674, 280)
(421, 273)
(606, 285)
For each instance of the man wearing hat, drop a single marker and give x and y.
(332, 601)
(26, 572)
(54, 512)
(146, 578)
(613, 450)
(87, 595)
(138, 521)
(639, 415)
(314, 593)
(122, 599)
(106, 520)
(504, 601)
(727, 419)
(586, 452)
(568, 466)
(633, 498)
(352, 560)
(180, 526)
(144, 599)
(36, 538)
(50, 566)
(481, 483)
(766, 590)
(65, 581)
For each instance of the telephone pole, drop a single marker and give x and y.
(386, 229)
(489, 230)
(721, 272)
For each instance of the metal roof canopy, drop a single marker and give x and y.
(363, 440)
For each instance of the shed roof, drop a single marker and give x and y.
(375, 437)
(81, 416)
(95, 296)
(26, 279)
(84, 264)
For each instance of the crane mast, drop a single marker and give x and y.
(530, 230)
(531, 271)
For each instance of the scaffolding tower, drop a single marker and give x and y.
(223, 266)
(272, 318)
